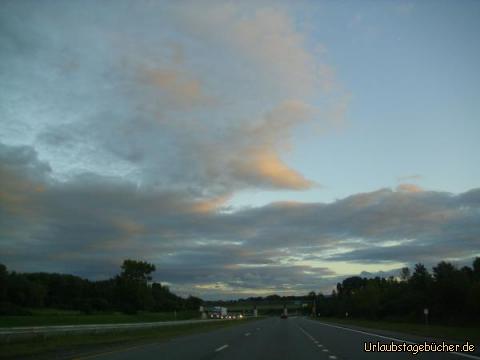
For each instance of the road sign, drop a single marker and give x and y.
(425, 312)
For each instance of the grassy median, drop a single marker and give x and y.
(460, 333)
(78, 345)
(44, 317)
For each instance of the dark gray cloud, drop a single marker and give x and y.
(88, 224)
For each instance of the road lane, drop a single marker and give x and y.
(197, 346)
(271, 338)
(275, 339)
(349, 343)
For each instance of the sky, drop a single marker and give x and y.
(244, 148)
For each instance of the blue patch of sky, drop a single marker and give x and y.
(412, 72)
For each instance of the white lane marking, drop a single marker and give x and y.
(317, 343)
(247, 334)
(392, 338)
(221, 348)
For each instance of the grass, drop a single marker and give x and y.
(74, 345)
(45, 317)
(461, 333)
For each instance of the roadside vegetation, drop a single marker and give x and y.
(44, 317)
(451, 295)
(132, 291)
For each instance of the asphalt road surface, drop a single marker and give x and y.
(277, 339)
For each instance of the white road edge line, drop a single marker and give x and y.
(221, 348)
(391, 338)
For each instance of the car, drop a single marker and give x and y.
(284, 316)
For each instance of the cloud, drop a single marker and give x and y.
(186, 100)
(89, 224)
(265, 167)
(176, 87)
(125, 138)
(210, 205)
(409, 188)
(265, 37)
(22, 176)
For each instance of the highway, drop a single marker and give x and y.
(276, 339)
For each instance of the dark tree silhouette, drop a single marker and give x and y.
(130, 291)
(451, 294)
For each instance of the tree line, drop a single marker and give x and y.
(451, 295)
(130, 291)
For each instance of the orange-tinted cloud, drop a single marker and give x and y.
(176, 86)
(265, 167)
(409, 188)
(128, 226)
(209, 205)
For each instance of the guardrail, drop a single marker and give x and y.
(14, 334)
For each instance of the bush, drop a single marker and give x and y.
(7, 308)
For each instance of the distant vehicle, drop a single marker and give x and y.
(218, 312)
(284, 316)
(237, 316)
